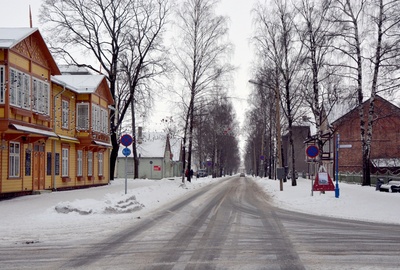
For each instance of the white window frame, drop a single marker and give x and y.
(104, 121)
(79, 165)
(96, 118)
(101, 163)
(20, 89)
(40, 97)
(82, 119)
(65, 162)
(65, 114)
(14, 164)
(90, 163)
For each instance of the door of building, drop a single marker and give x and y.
(38, 166)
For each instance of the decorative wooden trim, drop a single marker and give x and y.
(80, 178)
(13, 136)
(90, 178)
(21, 112)
(41, 117)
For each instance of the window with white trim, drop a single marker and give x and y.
(90, 163)
(2, 84)
(65, 114)
(20, 89)
(96, 123)
(104, 121)
(65, 160)
(79, 165)
(40, 97)
(14, 163)
(101, 167)
(82, 119)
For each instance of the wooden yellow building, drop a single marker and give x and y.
(54, 129)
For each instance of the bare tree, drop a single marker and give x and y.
(220, 136)
(385, 16)
(263, 98)
(201, 57)
(349, 15)
(143, 61)
(315, 32)
(99, 29)
(276, 36)
(368, 32)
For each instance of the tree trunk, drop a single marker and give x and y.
(377, 63)
(191, 115)
(114, 154)
(134, 143)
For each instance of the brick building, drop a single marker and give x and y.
(385, 146)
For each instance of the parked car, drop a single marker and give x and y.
(202, 173)
(391, 186)
(289, 175)
(242, 174)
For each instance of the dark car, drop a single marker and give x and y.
(391, 186)
(289, 175)
(242, 175)
(202, 173)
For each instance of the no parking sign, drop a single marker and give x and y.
(312, 151)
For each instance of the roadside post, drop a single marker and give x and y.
(338, 145)
(280, 173)
(337, 167)
(312, 152)
(126, 140)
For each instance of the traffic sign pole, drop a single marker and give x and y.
(126, 140)
(126, 174)
(337, 192)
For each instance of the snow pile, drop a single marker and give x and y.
(112, 205)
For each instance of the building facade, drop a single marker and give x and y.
(53, 128)
(300, 135)
(385, 144)
(159, 157)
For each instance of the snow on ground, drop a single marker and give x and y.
(88, 214)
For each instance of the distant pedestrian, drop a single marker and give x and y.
(191, 175)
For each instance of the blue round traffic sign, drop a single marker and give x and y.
(312, 151)
(126, 151)
(126, 140)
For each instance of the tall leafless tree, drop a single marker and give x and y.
(349, 16)
(368, 32)
(202, 58)
(315, 32)
(276, 36)
(385, 17)
(263, 98)
(143, 61)
(99, 29)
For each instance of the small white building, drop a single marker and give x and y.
(159, 157)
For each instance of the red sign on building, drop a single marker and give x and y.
(323, 182)
(156, 168)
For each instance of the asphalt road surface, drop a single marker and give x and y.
(227, 225)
